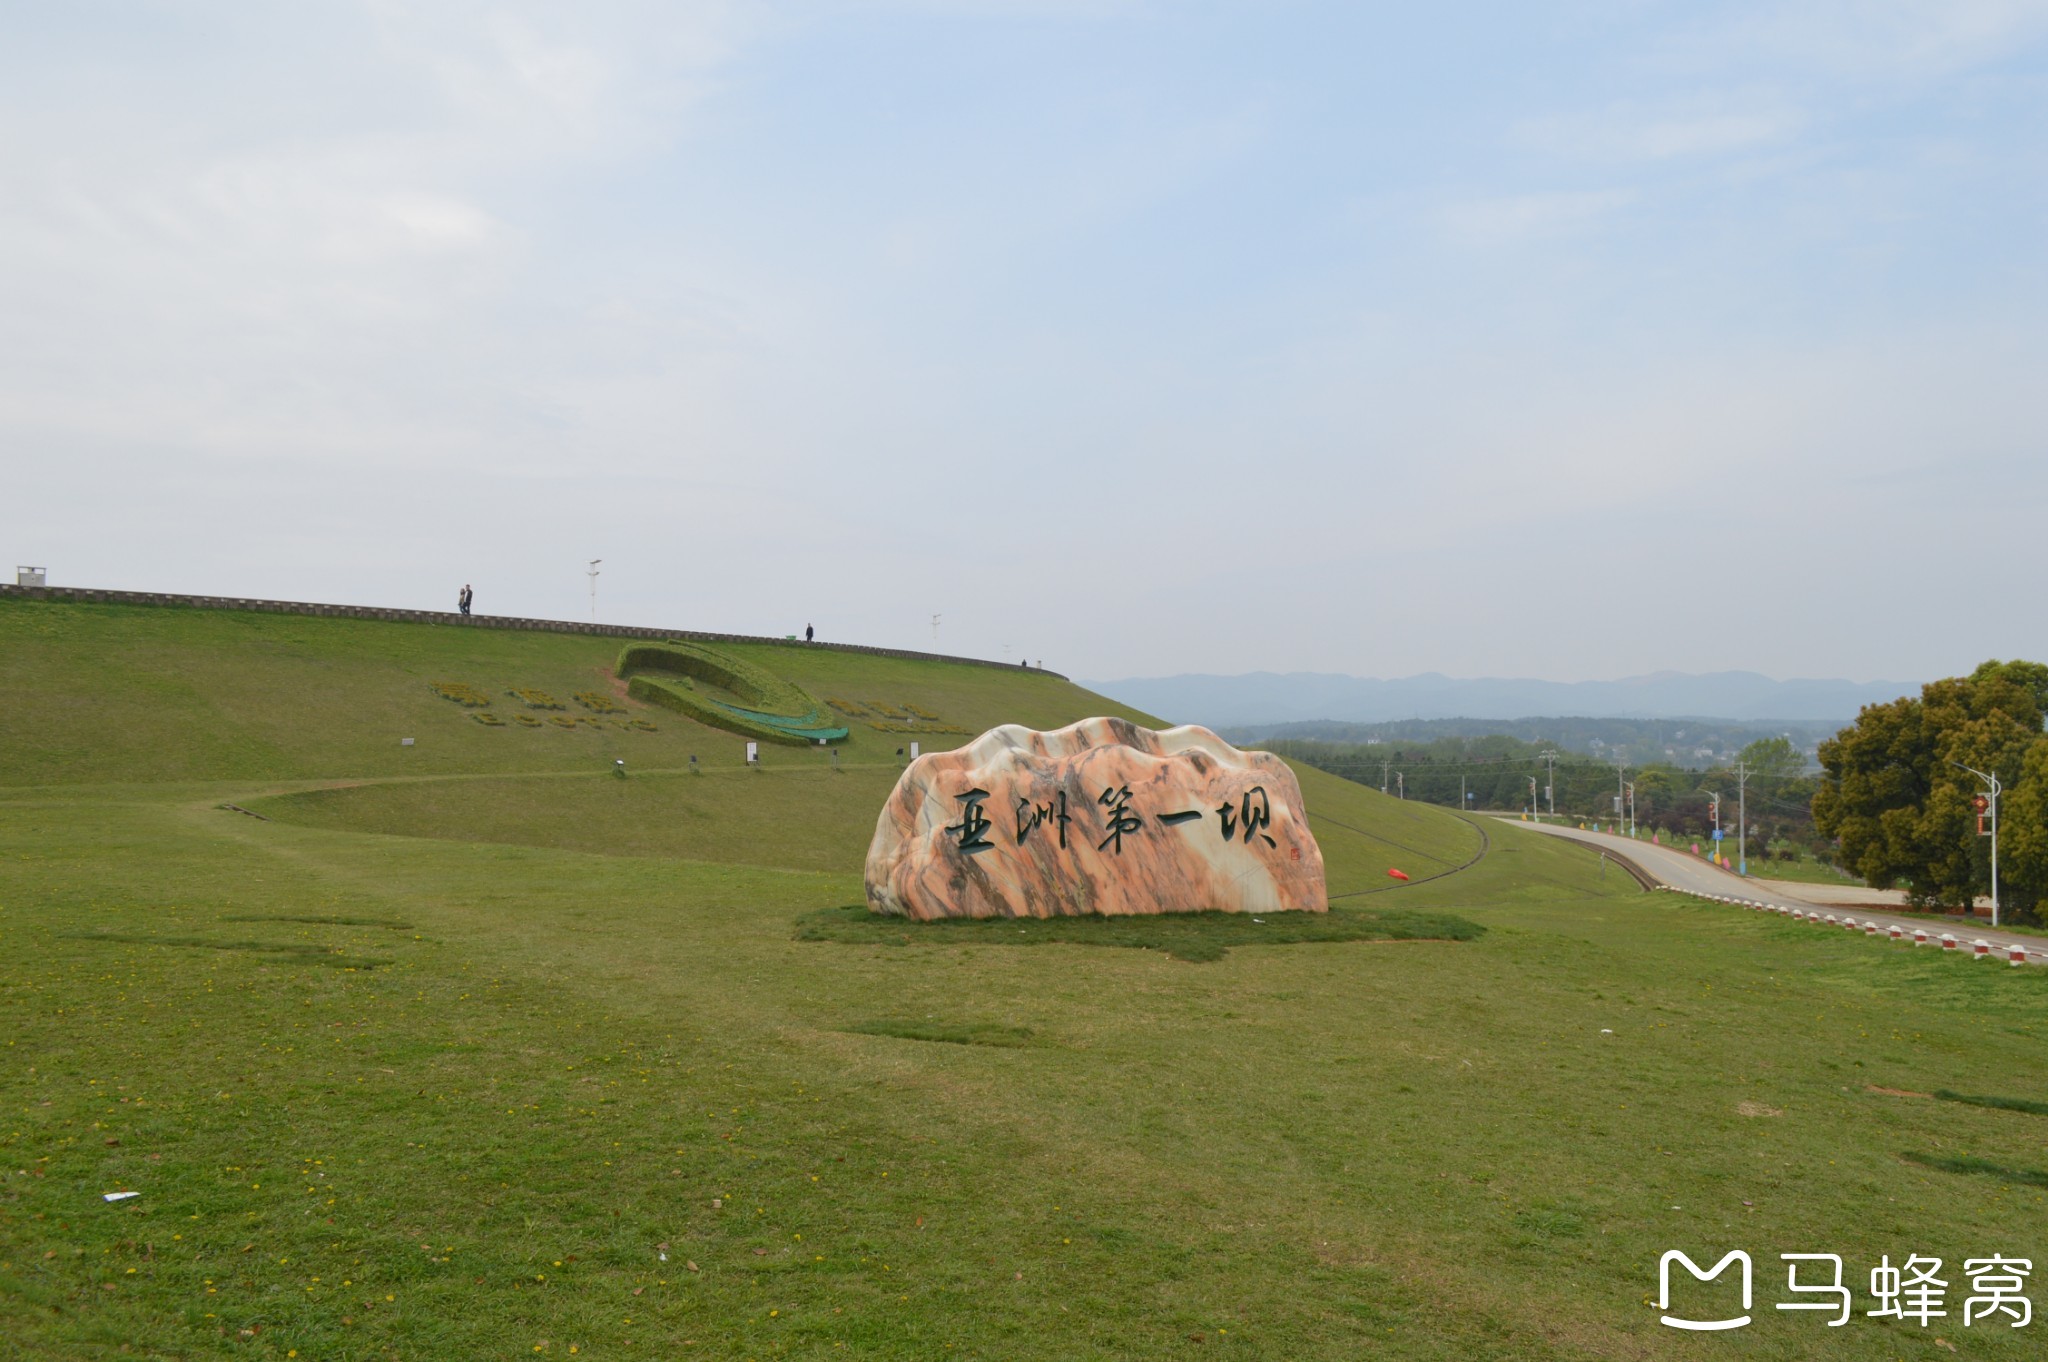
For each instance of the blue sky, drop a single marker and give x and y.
(1573, 340)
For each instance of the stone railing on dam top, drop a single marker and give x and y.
(93, 596)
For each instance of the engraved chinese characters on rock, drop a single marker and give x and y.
(1118, 817)
(1254, 813)
(1030, 816)
(972, 827)
(1105, 817)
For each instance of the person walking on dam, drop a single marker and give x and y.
(464, 597)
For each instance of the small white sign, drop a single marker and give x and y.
(913, 751)
(405, 742)
(121, 1196)
(753, 753)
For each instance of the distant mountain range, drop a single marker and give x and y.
(1272, 698)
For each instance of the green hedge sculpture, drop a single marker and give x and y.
(772, 709)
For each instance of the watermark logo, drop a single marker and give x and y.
(1702, 1325)
(1912, 1292)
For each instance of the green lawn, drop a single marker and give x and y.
(104, 693)
(455, 1096)
(488, 1081)
(1803, 869)
(796, 813)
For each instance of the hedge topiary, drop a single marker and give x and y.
(770, 709)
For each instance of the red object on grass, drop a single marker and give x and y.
(1396, 874)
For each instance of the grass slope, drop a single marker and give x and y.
(457, 1095)
(795, 812)
(452, 1099)
(131, 694)
(97, 693)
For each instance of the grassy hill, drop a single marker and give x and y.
(125, 694)
(565, 1076)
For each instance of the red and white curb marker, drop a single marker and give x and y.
(1980, 949)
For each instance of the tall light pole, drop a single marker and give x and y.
(592, 574)
(1620, 788)
(1742, 818)
(1533, 809)
(1717, 824)
(935, 626)
(1550, 790)
(1630, 785)
(1992, 789)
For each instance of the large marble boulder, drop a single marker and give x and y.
(1102, 816)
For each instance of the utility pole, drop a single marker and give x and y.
(1461, 792)
(1550, 790)
(592, 574)
(1989, 800)
(1742, 818)
(1385, 766)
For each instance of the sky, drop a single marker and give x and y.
(1570, 340)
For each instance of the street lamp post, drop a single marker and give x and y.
(1742, 817)
(1992, 790)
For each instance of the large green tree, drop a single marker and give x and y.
(1772, 758)
(1893, 795)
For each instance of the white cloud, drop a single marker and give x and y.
(1865, 40)
(332, 272)
(1509, 218)
(1632, 131)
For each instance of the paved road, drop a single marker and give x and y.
(1682, 871)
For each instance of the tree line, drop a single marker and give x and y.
(1894, 801)
(1898, 798)
(1495, 773)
